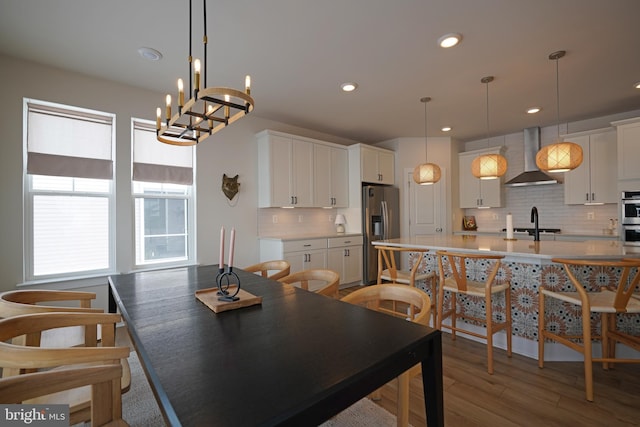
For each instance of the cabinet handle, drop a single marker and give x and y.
(586, 197)
(347, 241)
(307, 245)
(593, 197)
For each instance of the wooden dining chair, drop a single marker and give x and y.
(278, 269)
(389, 272)
(104, 380)
(473, 275)
(320, 281)
(31, 301)
(400, 301)
(608, 299)
(18, 357)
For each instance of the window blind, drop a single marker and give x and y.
(65, 143)
(154, 161)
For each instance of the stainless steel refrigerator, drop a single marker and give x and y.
(381, 220)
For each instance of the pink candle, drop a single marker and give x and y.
(221, 261)
(231, 246)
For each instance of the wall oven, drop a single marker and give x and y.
(630, 217)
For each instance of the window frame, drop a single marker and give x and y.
(29, 194)
(191, 203)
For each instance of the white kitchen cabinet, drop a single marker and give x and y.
(301, 254)
(377, 165)
(285, 171)
(628, 138)
(331, 176)
(595, 180)
(474, 192)
(344, 255)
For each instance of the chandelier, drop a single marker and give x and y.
(426, 173)
(209, 109)
(561, 156)
(488, 166)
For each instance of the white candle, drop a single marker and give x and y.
(231, 246)
(509, 226)
(221, 260)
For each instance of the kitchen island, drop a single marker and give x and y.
(527, 266)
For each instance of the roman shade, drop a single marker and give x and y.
(61, 143)
(156, 162)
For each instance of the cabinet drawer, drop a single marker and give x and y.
(337, 242)
(303, 245)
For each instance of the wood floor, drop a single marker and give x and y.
(521, 394)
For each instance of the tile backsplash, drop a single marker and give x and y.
(552, 212)
(298, 221)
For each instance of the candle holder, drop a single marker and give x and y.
(225, 279)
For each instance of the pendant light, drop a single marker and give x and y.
(488, 166)
(426, 173)
(562, 156)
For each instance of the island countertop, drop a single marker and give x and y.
(539, 251)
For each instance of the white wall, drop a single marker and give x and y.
(231, 151)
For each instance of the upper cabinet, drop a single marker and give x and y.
(474, 192)
(294, 172)
(595, 180)
(377, 165)
(331, 176)
(628, 136)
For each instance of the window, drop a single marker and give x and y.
(163, 199)
(68, 191)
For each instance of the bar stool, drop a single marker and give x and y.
(459, 282)
(388, 271)
(610, 300)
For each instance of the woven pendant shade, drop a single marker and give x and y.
(489, 166)
(427, 174)
(559, 157)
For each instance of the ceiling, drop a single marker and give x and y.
(298, 52)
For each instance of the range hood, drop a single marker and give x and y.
(532, 175)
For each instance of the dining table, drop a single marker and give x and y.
(295, 358)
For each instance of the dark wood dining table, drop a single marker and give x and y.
(296, 359)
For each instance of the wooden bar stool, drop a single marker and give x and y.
(388, 271)
(458, 281)
(610, 301)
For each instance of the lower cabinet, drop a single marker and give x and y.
(344, 255)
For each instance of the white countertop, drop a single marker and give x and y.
(568, 235)
(542, 250)
(308, 236)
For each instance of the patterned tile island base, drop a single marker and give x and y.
(527, 266)
(526, 279)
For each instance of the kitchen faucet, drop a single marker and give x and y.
(534, 219)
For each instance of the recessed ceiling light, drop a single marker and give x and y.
(449, 40)
(349, 86)
(150, 54)
(533, 110)
(637, 85)
(446, 129)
